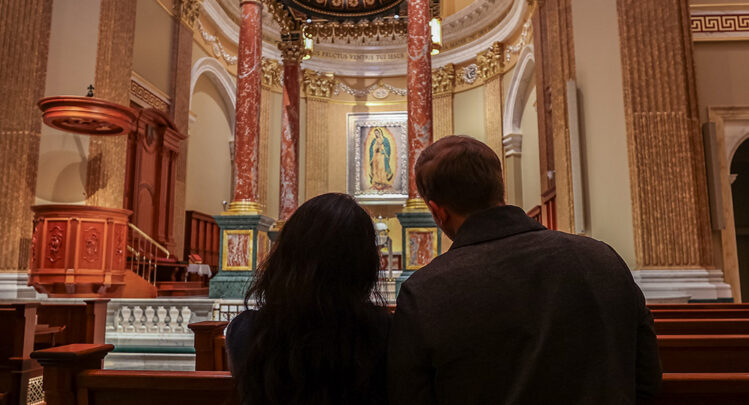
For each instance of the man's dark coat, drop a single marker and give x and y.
(514, 313)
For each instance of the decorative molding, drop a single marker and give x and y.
(365, 32)
(145, 94)
(517, 95)
(468, 74)
(188, 11)
(491, 61)
(318, 84)
(281, 15)
(216, 46)
(720, 26)
(693, 284)
(443, 79)
(378, 90)
(272, 75)
(513, 144)
(222, 79)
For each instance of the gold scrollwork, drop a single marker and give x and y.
(318, 84)
(443, 79)
(188, 11)
(271, 73)
(348, 30)
(491, 61)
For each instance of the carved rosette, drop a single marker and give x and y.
(491, 62)
(291, 51)
(188, 11)
(318, 84)
(271, 73)
(443, 79)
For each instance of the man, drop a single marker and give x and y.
(513, 313)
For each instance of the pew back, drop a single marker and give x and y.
(699, 326)
(84, 322)
(117, 387)
(700, 313)
(704, 353)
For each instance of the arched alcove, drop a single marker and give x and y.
(520, 134)
(212, 100)
(740, 195)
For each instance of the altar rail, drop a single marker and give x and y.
(202, 237)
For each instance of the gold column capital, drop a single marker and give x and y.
(491, 62)
(292, 51)
(271, 73)
(188, 11)
(443, 79)
(318, 84)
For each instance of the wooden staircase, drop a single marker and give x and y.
(155, 273)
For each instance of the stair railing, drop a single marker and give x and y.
(144, 254)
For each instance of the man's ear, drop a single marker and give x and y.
(439, 213)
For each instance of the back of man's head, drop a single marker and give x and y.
(460, 173)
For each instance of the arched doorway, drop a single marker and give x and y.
(740, 193)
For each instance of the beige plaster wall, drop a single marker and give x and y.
(530, 165)
(605, 166)
(469, 113)
(153, 43)
(722, 78)
(208, 180)
(274, 156)
(70, 69)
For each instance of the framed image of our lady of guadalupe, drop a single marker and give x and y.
(378, 157)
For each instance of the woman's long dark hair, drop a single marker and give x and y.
(317, 337)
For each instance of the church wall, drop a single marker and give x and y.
(208, 162)
(70, 69)
(529, 159)
(153, 44)
(469, 113)
(721, 74)
(607, 194)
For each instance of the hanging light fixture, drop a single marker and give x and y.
(309, 44)
(435, 26)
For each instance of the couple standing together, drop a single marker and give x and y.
(513, 313)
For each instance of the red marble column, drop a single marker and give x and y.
(289, 192)
(419, 89)
(247, 127)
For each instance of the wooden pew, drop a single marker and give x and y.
(704, 353)
(83, 322)
(699, 306)
(18, 321)
(73, 376)
(702, 389)
(701, 326)
(700, 313)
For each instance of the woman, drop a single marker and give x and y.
(316, 337)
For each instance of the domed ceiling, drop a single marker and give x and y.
(345, 9)
(468, 27)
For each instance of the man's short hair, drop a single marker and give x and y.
(460, 173)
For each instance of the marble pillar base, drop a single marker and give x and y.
(673, 286)
(244, 243)
(422, 240)
(15, 286)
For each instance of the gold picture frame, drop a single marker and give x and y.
(407, 262)
(239, 239)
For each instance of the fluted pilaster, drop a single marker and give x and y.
(24, 33)
(105, 184)
(666, 158)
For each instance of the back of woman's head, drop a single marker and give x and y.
(317, 334)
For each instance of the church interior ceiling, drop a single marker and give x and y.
(375, 44)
